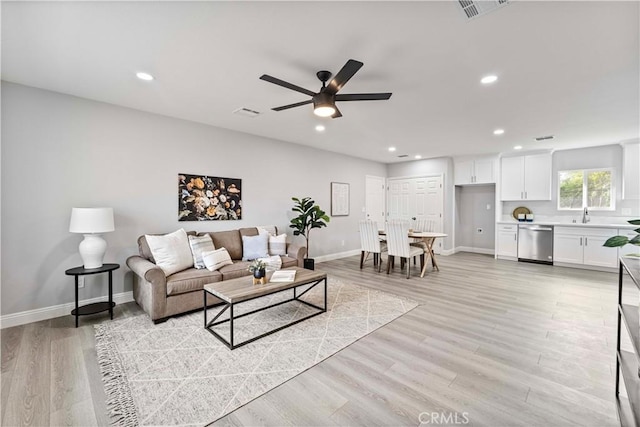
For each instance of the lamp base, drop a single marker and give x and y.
(92, 250)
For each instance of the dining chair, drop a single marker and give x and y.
(423, 224)
(398, 246)
(370, 242)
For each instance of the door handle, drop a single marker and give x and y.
(581, 241)
(586, 242)
(515, 237)
(525, 194)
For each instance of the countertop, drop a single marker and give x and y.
(625, 226)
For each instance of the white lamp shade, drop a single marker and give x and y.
(91, 220)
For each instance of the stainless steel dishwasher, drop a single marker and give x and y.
(535, 243)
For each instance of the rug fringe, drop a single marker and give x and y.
(120, 405)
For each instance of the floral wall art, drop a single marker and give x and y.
(209, 198)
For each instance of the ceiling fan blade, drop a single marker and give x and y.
(297, 104)
(363, 96)
(350, 68)
(337, 113)
(275, 81)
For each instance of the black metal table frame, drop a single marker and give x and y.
(229, 306)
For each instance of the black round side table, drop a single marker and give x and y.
(96, 307)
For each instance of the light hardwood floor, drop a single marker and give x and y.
(496, 343)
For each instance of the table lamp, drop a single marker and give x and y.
(92, 222)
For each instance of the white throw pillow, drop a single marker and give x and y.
(254, 247)
(213, 260)
(272, 262)
(278, 245)
(200, 244)
(271, 229)
(171, 251)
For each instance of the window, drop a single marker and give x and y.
(590, 188)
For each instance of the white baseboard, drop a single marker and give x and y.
(46, 313)
(586, 267)
(446, 252)
(475, 250)
(331, 257)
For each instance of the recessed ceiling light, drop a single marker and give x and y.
(320, 128)
(489, 79)
(498, 131)
(144, 76)
(518, 147)
(418, 156)
(392, 149)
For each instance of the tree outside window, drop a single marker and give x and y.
(592, 188)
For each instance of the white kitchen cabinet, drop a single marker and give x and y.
(507, 241)
(478, 171)
(567, 247)
(631, 171)
(583, 246)
(526, 177)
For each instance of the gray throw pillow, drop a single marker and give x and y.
(254, 247)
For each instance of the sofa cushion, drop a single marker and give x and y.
(254, 247)
(237, 269)
(230, 240)
(191, 280)
(199, 245)
(287, 261)
(143, 246)
(171, 251)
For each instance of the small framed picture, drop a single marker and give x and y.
(339, 199)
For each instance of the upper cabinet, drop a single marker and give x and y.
(631, 171)
(526, 177)
(478, 171)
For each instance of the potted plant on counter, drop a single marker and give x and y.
(310, 216)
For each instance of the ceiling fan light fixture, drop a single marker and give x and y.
(323, 105)
(324, 111)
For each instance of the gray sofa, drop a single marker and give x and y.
(163, 296)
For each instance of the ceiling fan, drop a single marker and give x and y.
(324, 101)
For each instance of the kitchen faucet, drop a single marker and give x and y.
(585, 215)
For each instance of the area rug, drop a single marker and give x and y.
(177, 373)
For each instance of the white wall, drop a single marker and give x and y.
(60, 151)
(437, 166)
(606, 156)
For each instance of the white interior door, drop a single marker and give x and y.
(374, 199)
(401, 198)
(429, 197)
(420, 198)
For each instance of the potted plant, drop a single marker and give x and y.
(310, 216)
(258, 268)
(615, 241)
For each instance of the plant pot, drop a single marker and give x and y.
(259, 274)
(309, 263)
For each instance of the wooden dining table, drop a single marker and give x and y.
(429, 238)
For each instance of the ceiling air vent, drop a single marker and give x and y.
(403, 155)
(543, 138)
(246, 112)
(474, 8)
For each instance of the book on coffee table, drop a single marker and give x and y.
(283, 276)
